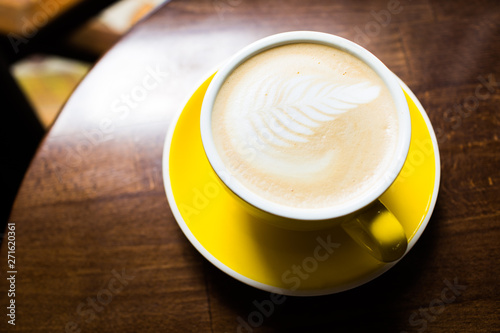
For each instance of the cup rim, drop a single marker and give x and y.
(307, 214)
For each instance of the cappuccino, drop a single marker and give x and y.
(305, 125)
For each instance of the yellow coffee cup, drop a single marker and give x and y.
(362, 216)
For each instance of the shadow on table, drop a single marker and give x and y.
(20, 134)
(382, 305)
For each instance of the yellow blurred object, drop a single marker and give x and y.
(47, 82)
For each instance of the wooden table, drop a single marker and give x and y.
(98, 250)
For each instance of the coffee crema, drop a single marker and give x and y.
(305, 125)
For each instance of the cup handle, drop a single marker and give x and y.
(378, 231)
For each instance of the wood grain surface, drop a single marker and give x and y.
(97, 247)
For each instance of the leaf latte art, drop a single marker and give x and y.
(305, 125)
(289, 112)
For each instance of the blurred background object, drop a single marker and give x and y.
(23, 17)
(101, 32)
(47, 81)
(46, 48)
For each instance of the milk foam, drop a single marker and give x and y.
(305, 125)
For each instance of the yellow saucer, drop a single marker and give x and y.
(285, 261)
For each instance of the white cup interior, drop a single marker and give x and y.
(263, 204)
